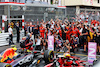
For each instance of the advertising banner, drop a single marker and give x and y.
(6, 0)
(91, 51)
(50, 42)
(4, 17)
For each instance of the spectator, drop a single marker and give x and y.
(31, 29)
(38, 43)
(18, 32)
(25, 29)
(36, 31)
(45, 44)
(84, 34)
(10, 35)
(0, 29)
(98, 39)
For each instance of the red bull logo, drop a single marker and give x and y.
(9, 53)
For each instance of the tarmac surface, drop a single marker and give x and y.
(83, 56)
(2, 48)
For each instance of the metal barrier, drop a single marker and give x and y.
(3, 37)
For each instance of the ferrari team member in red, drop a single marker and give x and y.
(42, 31)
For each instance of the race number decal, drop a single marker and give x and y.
(91, 51)
(50, 42)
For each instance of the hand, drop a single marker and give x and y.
(81, 34)
(12, 34)
(98, 33)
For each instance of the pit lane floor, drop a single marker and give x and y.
(83, 56)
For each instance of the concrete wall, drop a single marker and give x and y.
(73, 2)
(95, 3)
(81, 2)
(63, 2)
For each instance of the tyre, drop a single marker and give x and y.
(94, 62)
(5, 65)
(48, 56)
(20, 51)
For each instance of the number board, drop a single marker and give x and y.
(91, 51)
(50, 42)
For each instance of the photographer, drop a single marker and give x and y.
(38, 43)
(74, 43)
(67, 46)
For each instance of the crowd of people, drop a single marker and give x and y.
(87, 16)
(68, 36)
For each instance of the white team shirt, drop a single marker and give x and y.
(10, 30)
(38, 42)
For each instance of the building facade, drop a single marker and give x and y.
(33, 10)
(75, 7)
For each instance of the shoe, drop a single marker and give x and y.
(74, 52)
(17, 42)
(77, 50)
(12, 43)
(84, 51)
(98, 53)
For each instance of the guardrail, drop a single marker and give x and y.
(3, 37)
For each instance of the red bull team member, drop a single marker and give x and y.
(26, 40)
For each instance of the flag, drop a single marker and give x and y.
(6, 0)
(59, 2)
(91, 2)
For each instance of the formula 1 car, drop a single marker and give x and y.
(66, 60)
(48, 57)
(13, 57)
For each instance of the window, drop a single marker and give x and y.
(98, 1)
(51, 1)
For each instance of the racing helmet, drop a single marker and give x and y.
(14, 47)
(66, 55)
